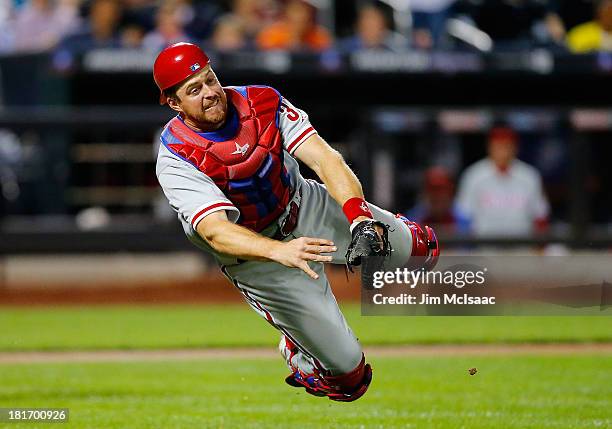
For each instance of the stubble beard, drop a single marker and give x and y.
(209, 121)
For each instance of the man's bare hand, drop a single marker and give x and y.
(296, 253)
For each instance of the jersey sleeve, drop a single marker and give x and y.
(191, 193)
(294, 126)
(540, 207)
(465, 201)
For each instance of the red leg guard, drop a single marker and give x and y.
(343, 388)
(352, 385)
(425, 245)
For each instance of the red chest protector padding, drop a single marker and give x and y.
(248, 168)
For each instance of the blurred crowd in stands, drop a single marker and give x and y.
(498, 195)
(76, 26)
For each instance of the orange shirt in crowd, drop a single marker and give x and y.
(281, 36)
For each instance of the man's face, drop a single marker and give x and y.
(371, 26)
(104, 15)
(299, 16)
(502, 151)
(202, 101)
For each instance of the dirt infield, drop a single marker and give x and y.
(213, 288)
(268, 353)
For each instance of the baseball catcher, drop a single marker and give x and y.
(228, 166)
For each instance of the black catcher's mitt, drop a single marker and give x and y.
(368, 249)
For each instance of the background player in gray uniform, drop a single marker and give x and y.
(279, 269)
(501, 195)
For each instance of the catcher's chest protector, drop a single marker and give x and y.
(248, 164)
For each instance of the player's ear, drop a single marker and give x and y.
(174, 104)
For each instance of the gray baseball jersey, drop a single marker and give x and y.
(194, 195)
(501, 203)
(303, 309)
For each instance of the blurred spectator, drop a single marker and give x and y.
(435, 206)
(595, 35)
(169, 28)
(99, 32)
(429, 21)
(132, 36)
(555, 28)
(6, 35)
(373, 32)
(501, 195)
(139, 14)
(254, 15)
(198, 17)
(571, 13)
(6, 9)
(11, 155)
(194, 18)
(513, 24)
(40, 24)
(296, 31)
(229, 34)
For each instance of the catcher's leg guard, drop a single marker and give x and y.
(342, 388)
(425, 245)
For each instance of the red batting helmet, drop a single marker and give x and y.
(175, 64)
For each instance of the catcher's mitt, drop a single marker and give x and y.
(368, 248)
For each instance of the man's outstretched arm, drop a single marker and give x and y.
(342, 184)
(226, 237)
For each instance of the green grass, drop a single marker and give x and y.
(128, 327)
(507, 392)
(519, 391)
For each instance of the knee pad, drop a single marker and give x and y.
(425, 245)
